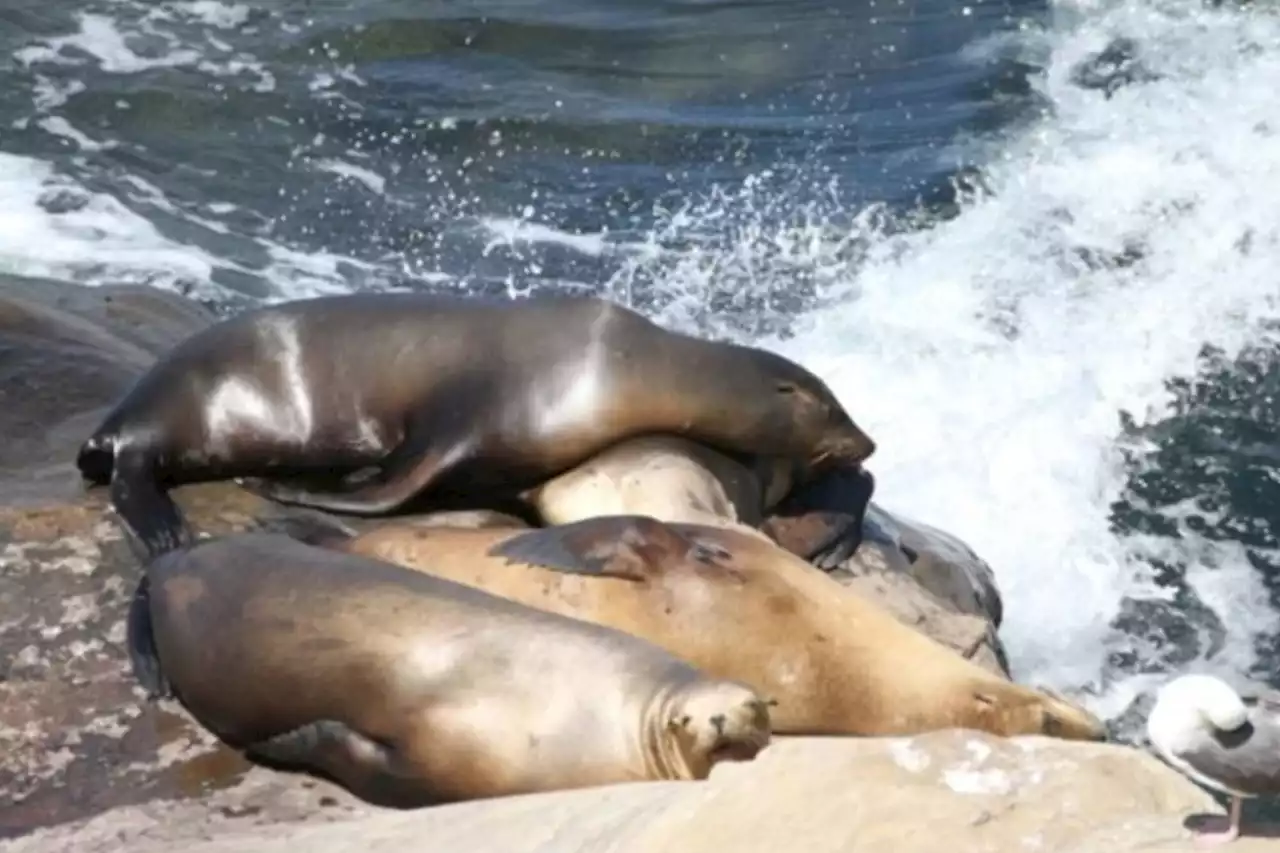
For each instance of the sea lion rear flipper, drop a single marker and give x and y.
(151, 522)
(310, 527)
(822, 520)
(631, 547)
(140, 637)
(407, 470)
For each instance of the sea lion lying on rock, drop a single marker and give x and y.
(735, 606)
(410, 690)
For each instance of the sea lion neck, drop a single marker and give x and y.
(738, 388)
(665, 756)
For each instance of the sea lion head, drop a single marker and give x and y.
(804, 415)
(711, 720)
(1027, 711)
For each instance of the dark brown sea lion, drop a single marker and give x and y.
(736, 606)
(360, 403)
(410, 690)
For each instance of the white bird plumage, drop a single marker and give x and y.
(1206, 730)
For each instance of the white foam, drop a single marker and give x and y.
(990, 362)
(507, 231)
(1009, 441)
(51, 226)
(371, 179)
(94, 231)
(100, 37)
(109, 42)
(225, 16)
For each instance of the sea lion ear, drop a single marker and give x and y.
(784, 387)
(630, 547)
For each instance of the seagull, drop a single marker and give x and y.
(1203, 728)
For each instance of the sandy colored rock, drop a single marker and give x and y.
(959, 791)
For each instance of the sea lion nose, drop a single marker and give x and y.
(718, 721)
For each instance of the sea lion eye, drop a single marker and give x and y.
(786, 388)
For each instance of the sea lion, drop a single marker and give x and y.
(735, 606)
(408, 689)
(438, 394)
(818, 517)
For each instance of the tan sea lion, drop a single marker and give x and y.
(360, 403)
(735, 606)
(674, 479)
(407, 689)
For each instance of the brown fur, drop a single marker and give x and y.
(675, 479)
(364, 403)
(739, 607)
(410, 690)
(669, 478)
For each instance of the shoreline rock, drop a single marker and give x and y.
(958, 790)
(78, 739)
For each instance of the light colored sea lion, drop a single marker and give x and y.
(408, 689)
(674, 479)
(739, 607)
(360, 403)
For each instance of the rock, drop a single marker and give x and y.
(76, 739)
(953, 790)
(929, 579)
(66, 353)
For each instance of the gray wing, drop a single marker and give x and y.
(1245, 760)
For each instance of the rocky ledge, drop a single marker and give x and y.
(85, 765)
(953, 790)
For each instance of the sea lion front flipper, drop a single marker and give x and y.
(822, 521)
(630, 547)
(417, 461)
(359, 763)
(311, 527)
(151, 522)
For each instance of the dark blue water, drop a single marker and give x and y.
(589, 117)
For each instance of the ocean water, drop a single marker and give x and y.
(1032, 245)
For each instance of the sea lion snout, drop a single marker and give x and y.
(723, 721)
(850, 446)
(1063, 718)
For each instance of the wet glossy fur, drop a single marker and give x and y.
(361, 403)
